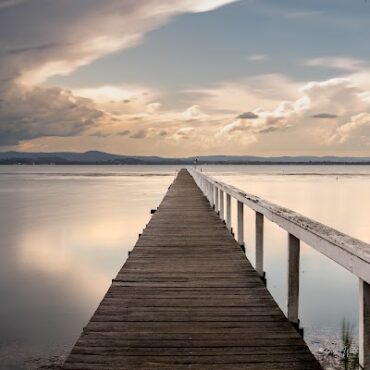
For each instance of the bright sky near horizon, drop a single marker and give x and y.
(186, 77)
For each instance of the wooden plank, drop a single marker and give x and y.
(187, 298)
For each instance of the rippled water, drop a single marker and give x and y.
(66, 231)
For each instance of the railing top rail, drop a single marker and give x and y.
(351, 253)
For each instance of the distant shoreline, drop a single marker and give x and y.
(41, 163)
(102, 158)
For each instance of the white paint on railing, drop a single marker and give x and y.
(293, 279)
(240, 238)
(351, 253)
(222, 205)
(216, 197)
(228, 211)
(364, 324)
(259, 244)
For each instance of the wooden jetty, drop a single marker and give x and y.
(187, 298)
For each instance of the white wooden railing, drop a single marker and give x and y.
(351, 253)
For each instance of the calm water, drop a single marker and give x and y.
(66, 231)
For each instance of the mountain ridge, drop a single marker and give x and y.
(99, 157)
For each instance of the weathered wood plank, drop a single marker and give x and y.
(187, 298)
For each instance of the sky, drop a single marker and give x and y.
(186, 77)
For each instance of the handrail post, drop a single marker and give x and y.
(228, 211)
(216, 197)
(241, 225)
(293, 280)
(222, 204)
(364, 325)
(259, 244)
(211, 194)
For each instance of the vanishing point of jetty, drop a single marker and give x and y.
(188, 298)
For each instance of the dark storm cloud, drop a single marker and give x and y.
(248, 115)
(69, 34)
(324, 116)
(33, 112)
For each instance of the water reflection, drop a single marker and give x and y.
(66, 231)
(63, 238)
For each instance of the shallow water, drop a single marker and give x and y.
(66, 231)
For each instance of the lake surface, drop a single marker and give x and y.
(66, 231)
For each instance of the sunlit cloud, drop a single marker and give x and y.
(153, 107)
(346, 102)
(88, 34)
(258, 113)
(265, 91)
(357, 128)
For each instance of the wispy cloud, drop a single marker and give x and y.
(257, 57)
(78, 36)
(301, 14)
(141, 134)
(8, 3)
(344, 63)
(83, 33)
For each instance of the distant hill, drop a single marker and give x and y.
(97, 157)
(90, 157)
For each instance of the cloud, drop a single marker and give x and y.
(9, 3)
(357, 127)
(123, 133)
(140, 134)
(184, 133)
(264, 122)
(324, 116)
(194, 112)
(347, 102)
(338, 96)
(31, 112)
(122, 99)
(302, 14)
(344, 63)
(248, 115)
(79, 33)
(84, 31)
(153, 107)
(266, 128)
(287, 127)
(259, 91)
(257, 57)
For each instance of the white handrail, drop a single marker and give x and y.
(351, 253)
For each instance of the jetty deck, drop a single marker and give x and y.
(188, 298)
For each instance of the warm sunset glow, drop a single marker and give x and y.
(143, 77)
